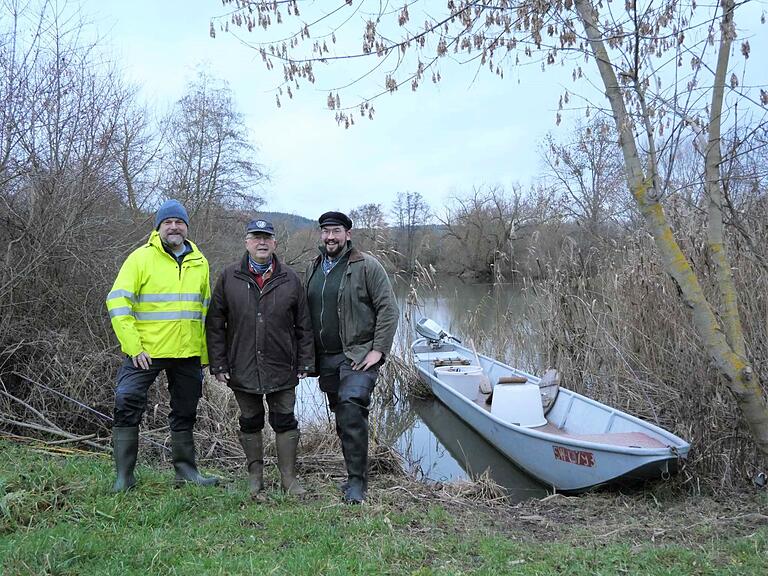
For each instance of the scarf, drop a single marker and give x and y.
(257, 268)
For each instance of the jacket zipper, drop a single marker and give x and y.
(322, 311)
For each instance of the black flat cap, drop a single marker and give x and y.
(335, 218)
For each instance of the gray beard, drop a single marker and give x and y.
(173, 247)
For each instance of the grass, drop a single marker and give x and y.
(57, 516)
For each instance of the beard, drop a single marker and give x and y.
(174, 240)
(333, 249)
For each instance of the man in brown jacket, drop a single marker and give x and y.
(260, 343)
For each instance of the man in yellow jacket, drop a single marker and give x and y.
(157, 306)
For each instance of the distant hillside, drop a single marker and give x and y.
(291, 222)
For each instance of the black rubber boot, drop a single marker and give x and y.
(352, 421)
(286, 444)
(183, 451)
(342, 485)
(125, 448)
(253, 446)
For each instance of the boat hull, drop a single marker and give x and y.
(566, 454)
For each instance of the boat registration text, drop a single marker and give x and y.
(579, 457)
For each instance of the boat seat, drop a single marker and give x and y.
(430, 356)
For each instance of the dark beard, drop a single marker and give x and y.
(339, 248)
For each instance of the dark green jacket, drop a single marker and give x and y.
(367, 307)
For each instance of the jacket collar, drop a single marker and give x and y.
(276, 266)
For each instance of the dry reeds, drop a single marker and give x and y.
(623, 337)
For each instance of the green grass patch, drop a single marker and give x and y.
(58, 516)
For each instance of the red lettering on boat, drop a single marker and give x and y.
(578, 457)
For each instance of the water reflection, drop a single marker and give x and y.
(310, 402)
(470, 455)
(429, 435)
(496, 314)
(459, 307)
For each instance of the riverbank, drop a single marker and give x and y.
(57, 516)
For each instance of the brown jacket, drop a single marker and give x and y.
(263, 338)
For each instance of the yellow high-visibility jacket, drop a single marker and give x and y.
(159, 307)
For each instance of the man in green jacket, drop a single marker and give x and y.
(354, 319)
(157, 307)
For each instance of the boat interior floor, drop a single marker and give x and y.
(626, 439)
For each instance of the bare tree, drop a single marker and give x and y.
(61, 214)
(745, 189)
(135, 149)
(369, 216)
(410, 213)
(60, 113)
(588, 174)
(484, 225)
(209, 157)
(370, 226)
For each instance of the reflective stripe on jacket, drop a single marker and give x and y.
(159, 307)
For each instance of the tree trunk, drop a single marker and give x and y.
(726, 353)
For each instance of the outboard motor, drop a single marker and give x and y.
(433, 332)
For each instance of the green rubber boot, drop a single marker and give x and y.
(286, 444)
(253, 446)
(125, 448)
(183, 451)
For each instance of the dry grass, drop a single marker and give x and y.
(624, 338)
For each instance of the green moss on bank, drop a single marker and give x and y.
(57, 516)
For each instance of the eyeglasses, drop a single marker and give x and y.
(335, 231)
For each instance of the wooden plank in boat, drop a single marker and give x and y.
(451, 362)
(626, 439)
(433, 356)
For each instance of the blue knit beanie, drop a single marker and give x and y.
(171, 209)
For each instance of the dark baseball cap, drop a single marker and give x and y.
(260, 226)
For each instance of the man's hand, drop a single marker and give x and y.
(223, 377)
(142, 360)
(370, 359)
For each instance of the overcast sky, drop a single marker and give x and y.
(469, 130)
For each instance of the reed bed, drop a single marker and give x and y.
(623, 337)
(612, 323)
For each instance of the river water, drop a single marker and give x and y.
(435, 444)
